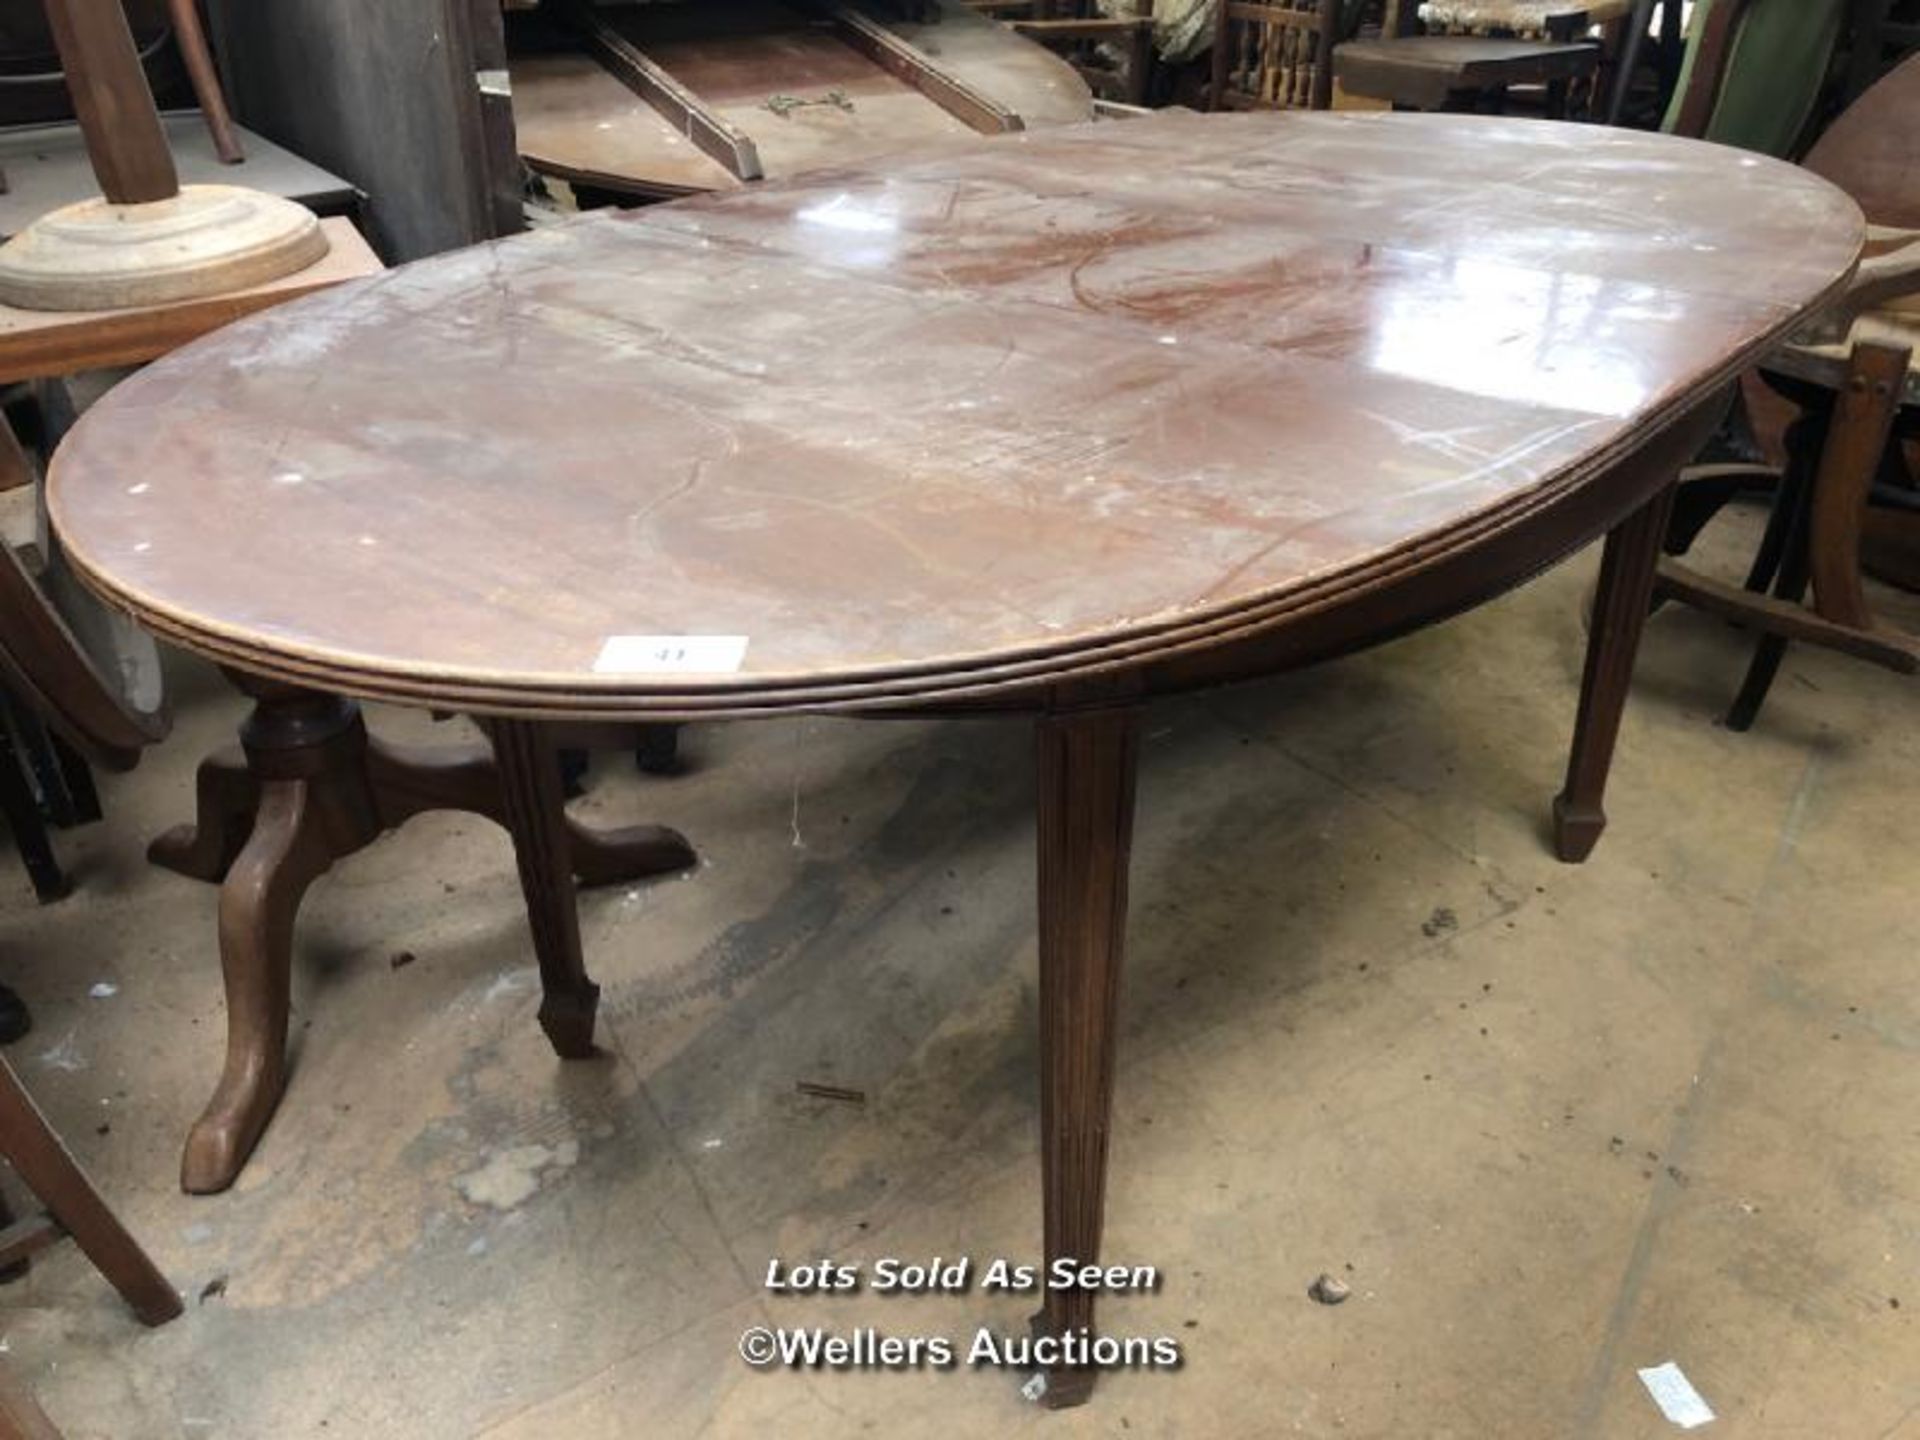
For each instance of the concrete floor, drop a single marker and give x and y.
(1552, 1124)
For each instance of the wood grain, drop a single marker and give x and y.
(1087, 764)
(1619, 616)
(112, 101)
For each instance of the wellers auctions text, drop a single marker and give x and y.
(869, 1349)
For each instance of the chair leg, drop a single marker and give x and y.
(21, 1417)
(1822, 544)
(22, 812)
(1790, 585)
(1853, 458)
(78, 778)
(46, 1168)
(657, 750)
(1805, 439)
(33, 742)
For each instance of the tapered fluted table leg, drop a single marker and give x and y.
(536, 816)
(1619, 616)
(1087, 764)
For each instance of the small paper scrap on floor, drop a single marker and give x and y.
(1675, 1395)
(103, 990)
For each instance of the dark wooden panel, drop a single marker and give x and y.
(385, 95)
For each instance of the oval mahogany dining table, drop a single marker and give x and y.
(1046, 425)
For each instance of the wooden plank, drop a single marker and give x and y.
(920, 70)
(1674, 581)
(687, 112)
(575, 122)
(57, 342)
(21, 1417)
(487, 125)
(1862, 421)
(382, 94)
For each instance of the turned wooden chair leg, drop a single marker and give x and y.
(536, 816)
(1087, 764)
(191, 39)
(288, 850)
(47, 1169)
(1619, 616)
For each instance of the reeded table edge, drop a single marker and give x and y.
(957, 680)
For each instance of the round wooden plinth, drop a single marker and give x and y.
(206, 240)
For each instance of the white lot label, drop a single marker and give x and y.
(671, 655)
(1675, 1395)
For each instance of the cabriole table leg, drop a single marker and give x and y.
(306, 752)
(325, 789)
(1087, 763)
(1619, 616)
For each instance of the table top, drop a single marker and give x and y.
(987, 416)
(34, 343)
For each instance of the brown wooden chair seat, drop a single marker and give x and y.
(1469, 54)
(1457, 72)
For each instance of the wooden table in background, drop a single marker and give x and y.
(1041, 426)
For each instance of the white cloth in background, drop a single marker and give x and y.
(1182, 29)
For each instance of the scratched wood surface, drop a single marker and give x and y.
(576, 121)
(1001, 415)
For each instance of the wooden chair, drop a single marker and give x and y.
(1853, 376)
(1274, 55)
(73, 1209)
(1470, 56)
